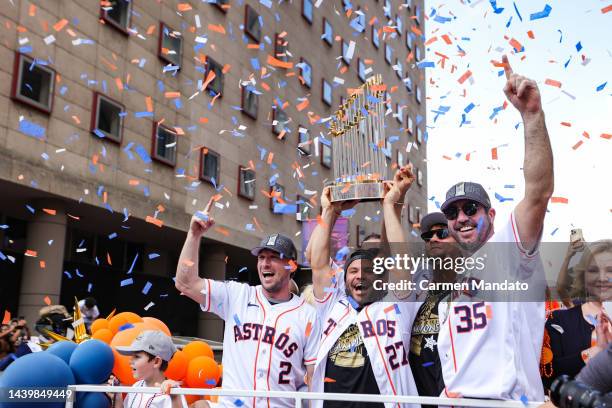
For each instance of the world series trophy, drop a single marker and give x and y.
(358, 137)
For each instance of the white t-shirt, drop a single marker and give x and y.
(142, 400)
(492, 349)
(266, 346)
(89, 315)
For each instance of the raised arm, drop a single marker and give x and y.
(524, 94)
(188, 281)
(320, 242)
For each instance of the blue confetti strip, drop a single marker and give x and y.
(133, 263)
(601, 87)
(153, 255)
(524, 400)
(541, 14)
(126, 326)
(113, 235)
(31, 129)
(147, 287)
(517, 12)
(127, 282)
(284, 208)
(426, 64)
(428, 364)
(578, 46)
(353, 302)
(554, 231)
(237, 320)
(142, 153)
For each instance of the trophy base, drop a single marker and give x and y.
(371, 191)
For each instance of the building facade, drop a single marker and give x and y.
(120, 119)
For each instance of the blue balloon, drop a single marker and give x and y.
(92, 400)
(62, 349)
(92, 362)
(37, 370)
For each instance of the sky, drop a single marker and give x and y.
(578, 31)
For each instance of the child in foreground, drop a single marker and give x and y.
(150, 351)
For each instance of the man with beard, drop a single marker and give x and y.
(271, 335)
(423, 357)
(364, 342)
(492, 349)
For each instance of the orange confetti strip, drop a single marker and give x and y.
(76, 119)
(226, 68)
(415, 30)
(151, 29)
(494, 153)
(566, 124)
(302, 105)
(257, 224)
(218, 28)
(134, 182)
(467, 157)
(222, 231)
(265, 86)
(431, 40)
(447, 39)
(108, 259)
(270, 157)
(329, 380)
(42, 264)
(60, 24)
(465, 76)
(154, 221)
(149, 103)
(171, 95)
(7, 317)
(516, 45)
(489, 311)
(30, 252)
(47, 300)
(577, 145)
(552, 82)
(32, 10)
(119, 83)
(308, 329)
(445, 157)
(606, 136)
(252, 46)
(559, 200)
(209, 78)
(606, 9)
(530, 34)
(586, 134)
(49, 211)
(183, 7)
(275, 62)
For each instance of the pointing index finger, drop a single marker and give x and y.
(507, 67)
(208, 206)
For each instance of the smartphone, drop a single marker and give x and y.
(577, 239)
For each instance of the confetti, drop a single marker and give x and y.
(557, 328)
(31, 129)
(524, 400)
(428, 364)
(146, 288)
(7, 317)
(127, 282)
(541, 14)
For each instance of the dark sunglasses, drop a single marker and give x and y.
(440, 233)
(470, 208)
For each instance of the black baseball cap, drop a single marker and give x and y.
(466, 190)
(368, 254)
(431, 219)
(277, 243)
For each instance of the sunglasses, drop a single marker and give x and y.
(470, 208)
(440, 233)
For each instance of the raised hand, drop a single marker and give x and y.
(522, 92)
(396, 190)
(338, 206)
(202, 221)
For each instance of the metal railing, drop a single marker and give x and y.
(304, 396)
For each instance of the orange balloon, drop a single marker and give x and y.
(197, 349)
(122, 369)
(99, 324)
(202, 372)
(177, 367)
(104, 335)
(157, 323)
(116, 322)
(131, 317)
(192, 398)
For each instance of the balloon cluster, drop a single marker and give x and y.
(92, 361)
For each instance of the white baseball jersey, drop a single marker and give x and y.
(141, 400)
(492, 349)
(385, 328)
(265, 346)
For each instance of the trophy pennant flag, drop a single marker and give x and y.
(358, 139)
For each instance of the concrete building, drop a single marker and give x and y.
(114, 131)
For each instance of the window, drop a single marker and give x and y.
(398, 113)
(388, 54)
(408, 82)
(327, 93)
(246, 183)
(409, 124)
(222, 5)
(362, 70)
(277, 196)
(210, 166)
(33, 83)
(399, 25)
(279, 122)
(250, 101)
(388, 150)
(328, 32)
(387, 8)
(345, 53)
(359, 23)
(417, 53)
(307, 10)
(170, 45)
(399, 69)
(375, 37)
(117, 14)
(164, 144)
(326, 155)
(107, 118)
(306, 72)
(215, 87)
(409, 41)
(418, 94)
(419, 135)
(419, 177)
(252, 23)
(281, 46)
(387, 101)
(304, 141)
(417, 211)
(303, 210)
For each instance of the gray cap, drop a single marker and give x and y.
(277, 243)
(466, 191)
(431, 219)
(154, 342)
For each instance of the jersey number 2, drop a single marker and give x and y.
(391, 349)
(285, 370)
(471, 318)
